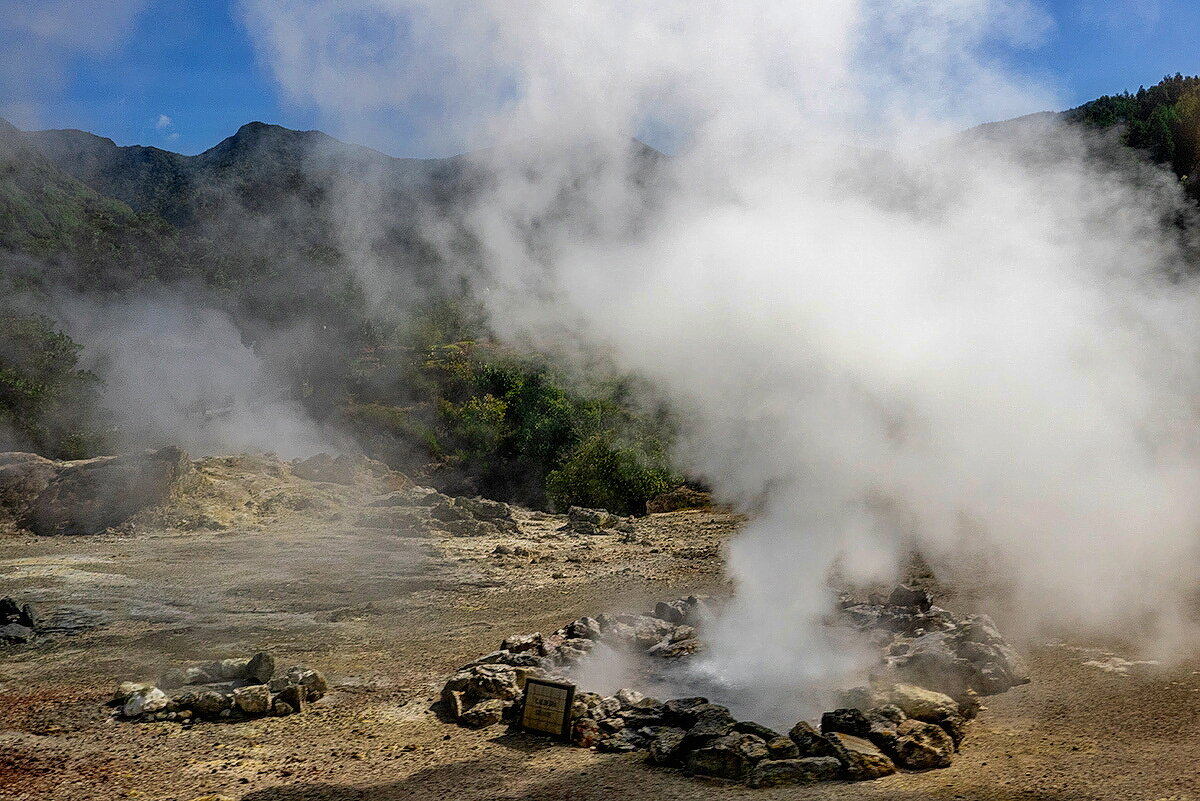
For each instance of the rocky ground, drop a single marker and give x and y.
(388, 589)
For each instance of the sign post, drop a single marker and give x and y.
(548, 707)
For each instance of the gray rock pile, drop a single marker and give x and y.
(229, 689)
(897, 722)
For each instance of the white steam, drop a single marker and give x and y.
(973, 345)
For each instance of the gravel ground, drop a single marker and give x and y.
(388, 613)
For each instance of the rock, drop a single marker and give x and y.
(143, 702)
(15, 633)
(13, 613)
(127, 689)
(623, 741)
(482, 682)
(672, 612)
(89, 496)
(711, 721)
(782, 748)
(23, 476)
(903, 595)
(922, 746)
(281, 709)
(585, 733)
(809, 741)
(295, 696)
(678, 498)
(781, 772)
(955, 726)
(729, 757)
(326, 468)
(520, 643)
(261, 667)
(969, 656)
(846, 721)
(455, 701)
(757, 729)
(609, 706)
(311, 680)
(666, 745)
(599, 518)
(484, 713)
(861, 759)
(922, 704)
(585, 628)
(253, 701)
(629, 699)
(208, 704)
(497, 514)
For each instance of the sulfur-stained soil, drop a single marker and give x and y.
(252, 557)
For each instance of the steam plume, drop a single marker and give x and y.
(880, 336)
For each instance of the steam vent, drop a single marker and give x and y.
(913, 715)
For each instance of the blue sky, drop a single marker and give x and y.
(183, 75)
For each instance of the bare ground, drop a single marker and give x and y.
(256, 559)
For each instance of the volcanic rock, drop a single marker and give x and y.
(860, 758)
(484, 713)
(672, 611)
(585, 733)
(311, 680)
(482, 682)
(682, 711)
(922, 704)
(678, 498)
(757, 729)
(623, 741)
(585, 628)
(780, 772)
(922, 746)
(15, 633)
(783, 748)
(206, 704)
(144, 701)
(728, 757)
(326, 468)
(847, 721)
(520, 643)
(253, 700)
(295, 696)
(908, 596)
(809, 741)
(711, 721)
(89, 496)
(666, 745)
(12, 613)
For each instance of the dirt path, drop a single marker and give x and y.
(387, 613)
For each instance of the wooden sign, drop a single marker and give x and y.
(548, 707)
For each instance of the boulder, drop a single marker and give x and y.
(781, 772)
(922, 746)
(672, 611)
(847, 721)
(600, 518)
(23, 476)
(253, 700)
(520, 643)
(206, 704)
(482, 682)
(484, 713)
(13, 613)
(682, 711)
(295, 696)
(311, 680)
(666, 745)
(783, 748)
(144, 701)
(623, 741)
(917, 702)
(728, 757)
(809, 741)
(861, 759)
(87, 497)
(711, 721)
(904, 595)
(757, 729)
(585, 628)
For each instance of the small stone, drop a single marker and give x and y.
(483, 714)
(757, 729)
(282, 709)
(16, 633)
(629, 698)
(781, 772)
(127, 689)
(311, 680)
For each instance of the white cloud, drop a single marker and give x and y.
(163, 121)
